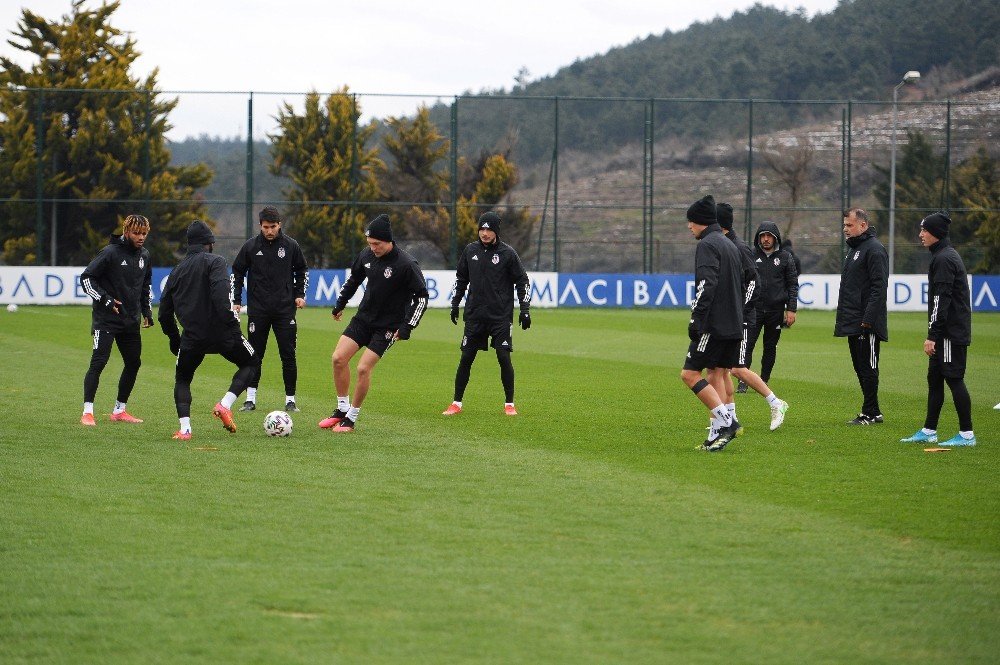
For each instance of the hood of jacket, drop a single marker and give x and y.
(767, 227)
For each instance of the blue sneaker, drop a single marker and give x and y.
(958, 440)
(920, 437)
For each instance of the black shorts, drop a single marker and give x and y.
(377, 340)
(948, 359)
(478, 334)
(707, 352)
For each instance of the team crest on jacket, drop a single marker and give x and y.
(281, 252)
(142, 263)
(496, 259)
(777, 261)
(388, 273)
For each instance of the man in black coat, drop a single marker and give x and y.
(949, 333)
(395, 299)
(861, 308)
(716, 325)
(118, 281)
(751, 296)
(276, 287)
(778, 287)
(198, 294)
(492, 271)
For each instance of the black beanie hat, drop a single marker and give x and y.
(199, 234)
(936, 225)
(703, 211)
(490, 220)
(380, 229)
(724, 212)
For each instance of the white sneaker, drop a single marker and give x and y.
(778, 414)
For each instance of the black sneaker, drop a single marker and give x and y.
(741, 387)
(334, 418)
(726, 434)
(290, 407)
(864, 419)
(248, 406)
(345, 425)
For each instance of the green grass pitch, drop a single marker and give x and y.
(587, 529)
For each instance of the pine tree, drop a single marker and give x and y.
(323, 153)
(103, 153)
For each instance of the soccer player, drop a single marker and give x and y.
(492, 270)
(751, 294)
(949, 333)
(778, 286)
(118, 281)
(716, 326)
(276, 287)
(861, 308)
(198, 294)
(395, 299)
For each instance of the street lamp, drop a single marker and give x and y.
(911, 76)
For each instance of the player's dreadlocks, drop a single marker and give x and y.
(134, 223)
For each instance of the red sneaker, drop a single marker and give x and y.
(181, 436)
(88, 420)
(452, 410)
(225, 415)
(334, 418)
(124, 417)
(509, 410)
(344, 426)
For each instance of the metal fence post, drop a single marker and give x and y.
(747, 215)
(249, 171)
(555, 189)
(946, 186)
(453, 206)
(39, 177)
(354, 170)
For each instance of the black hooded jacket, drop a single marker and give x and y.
(395, 294)
(121, 271)
(277, 274)
(779, 279)
(751, 292)
(864, 288)
(197, 293)
(717, 309)
(492, 273)
(949, 302)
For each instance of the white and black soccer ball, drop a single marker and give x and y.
(12, 308)
(278, 423)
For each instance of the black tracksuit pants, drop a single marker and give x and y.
(770, 323)
(129, 345)
(864, 355)
(286, 333)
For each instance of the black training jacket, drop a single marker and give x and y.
(864, 287)
(779, 278)
(276, 275)
(717, 309)
(751, 293)
(121, 272)
(197, 293)
(491, 273)
(949, 301)
(395, 295)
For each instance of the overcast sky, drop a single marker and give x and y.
(439, 48)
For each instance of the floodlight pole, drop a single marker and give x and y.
(909, 77)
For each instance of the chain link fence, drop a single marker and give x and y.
(604, 182)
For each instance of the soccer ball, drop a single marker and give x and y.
(278, 423)
(12, 308)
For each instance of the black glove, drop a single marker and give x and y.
(693, 333)
(175, 345)
(454, 314)
(524, 318)
(403, 332)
